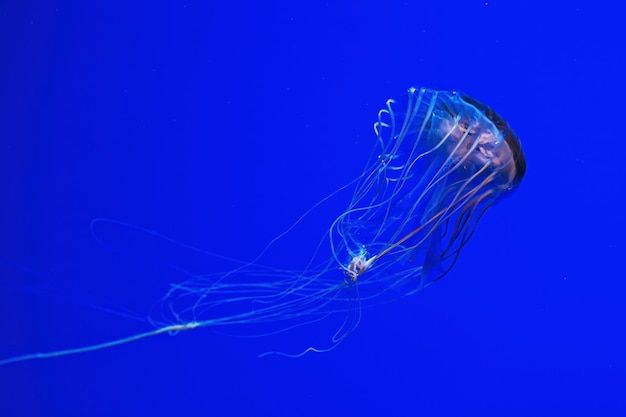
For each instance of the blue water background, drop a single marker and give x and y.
(219, 123)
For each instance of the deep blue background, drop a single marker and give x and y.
(218, 124)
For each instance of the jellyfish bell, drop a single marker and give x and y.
(444, 159)
(502, 147)
(441, 159)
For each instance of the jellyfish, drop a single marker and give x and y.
(440, 160)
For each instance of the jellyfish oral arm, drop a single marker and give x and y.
(359, 264)
(173, 329)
